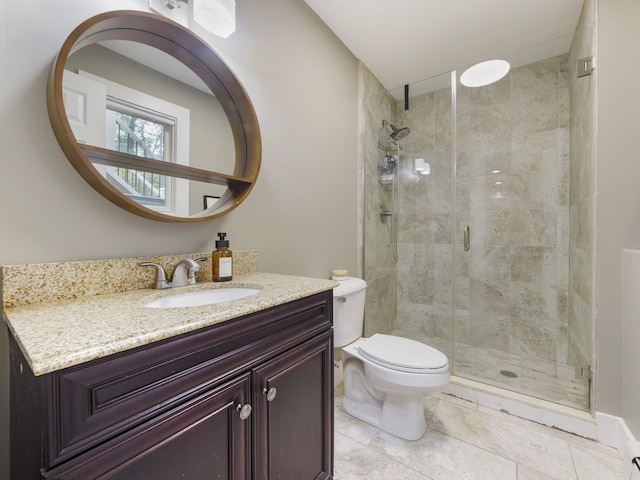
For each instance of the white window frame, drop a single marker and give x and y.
(178, 196)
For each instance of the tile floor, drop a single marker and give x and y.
(466, 441)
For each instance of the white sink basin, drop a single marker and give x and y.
(202, 297)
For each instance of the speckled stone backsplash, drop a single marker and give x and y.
(46, 282)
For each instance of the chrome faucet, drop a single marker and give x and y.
(183, 274)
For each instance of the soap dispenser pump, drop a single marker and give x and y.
(222, 260)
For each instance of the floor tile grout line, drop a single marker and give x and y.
(566, 442)
(377, 452)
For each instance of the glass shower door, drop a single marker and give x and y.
(512, 196)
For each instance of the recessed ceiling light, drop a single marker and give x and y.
(484, 73)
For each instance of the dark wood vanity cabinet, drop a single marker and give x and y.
(250, 398)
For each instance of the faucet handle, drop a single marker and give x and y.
(192, 269)
(161, 277)
(185, 273)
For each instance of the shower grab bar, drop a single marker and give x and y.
(467, 238)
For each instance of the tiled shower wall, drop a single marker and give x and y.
(379, 264)
(582, 196)
(425, 232)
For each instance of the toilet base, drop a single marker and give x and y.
(399, 415)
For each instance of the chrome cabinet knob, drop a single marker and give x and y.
(245, 411)
(270, 393)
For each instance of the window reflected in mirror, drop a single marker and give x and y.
(128, 118)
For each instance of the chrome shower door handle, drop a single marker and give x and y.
(467, 238)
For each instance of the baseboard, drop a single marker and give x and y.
(613, 431)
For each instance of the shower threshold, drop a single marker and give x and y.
(565, 418)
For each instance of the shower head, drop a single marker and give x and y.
(398, 133)
(388, 136)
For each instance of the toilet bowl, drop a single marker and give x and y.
(385, 377)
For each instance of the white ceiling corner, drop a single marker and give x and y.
(406, 41)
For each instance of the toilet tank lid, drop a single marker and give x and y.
(349, 285)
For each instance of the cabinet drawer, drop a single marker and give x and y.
(96, 401)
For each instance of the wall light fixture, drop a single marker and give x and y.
(217, 16)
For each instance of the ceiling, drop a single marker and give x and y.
(406, 41)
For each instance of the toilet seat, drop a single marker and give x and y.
(402, 354)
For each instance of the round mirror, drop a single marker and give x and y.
(153, 119)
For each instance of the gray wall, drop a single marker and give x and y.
(618, 195)
(302, 214)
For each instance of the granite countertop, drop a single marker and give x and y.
(64, 333)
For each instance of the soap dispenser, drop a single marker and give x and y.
(222, 260)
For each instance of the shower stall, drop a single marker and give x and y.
(494, 245)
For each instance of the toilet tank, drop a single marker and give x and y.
(348, 311)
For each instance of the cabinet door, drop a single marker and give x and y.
(293, 421)
(203, 438)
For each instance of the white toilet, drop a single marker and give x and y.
(385, 377)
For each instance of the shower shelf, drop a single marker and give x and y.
(389, 146)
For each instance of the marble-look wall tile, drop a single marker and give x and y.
(380, 306)
(580, 275)
(536, 302)
(489, 157)
(379, 267)
(582, 189)
(535, 151)
(581, 218)
(536, 265)
(580, 328)
(488, 297)
(536, 79)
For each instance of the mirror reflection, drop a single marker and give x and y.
(135, 99)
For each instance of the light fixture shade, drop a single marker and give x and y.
(217, 16)
(484, 73)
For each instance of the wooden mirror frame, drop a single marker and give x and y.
(198, 56)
